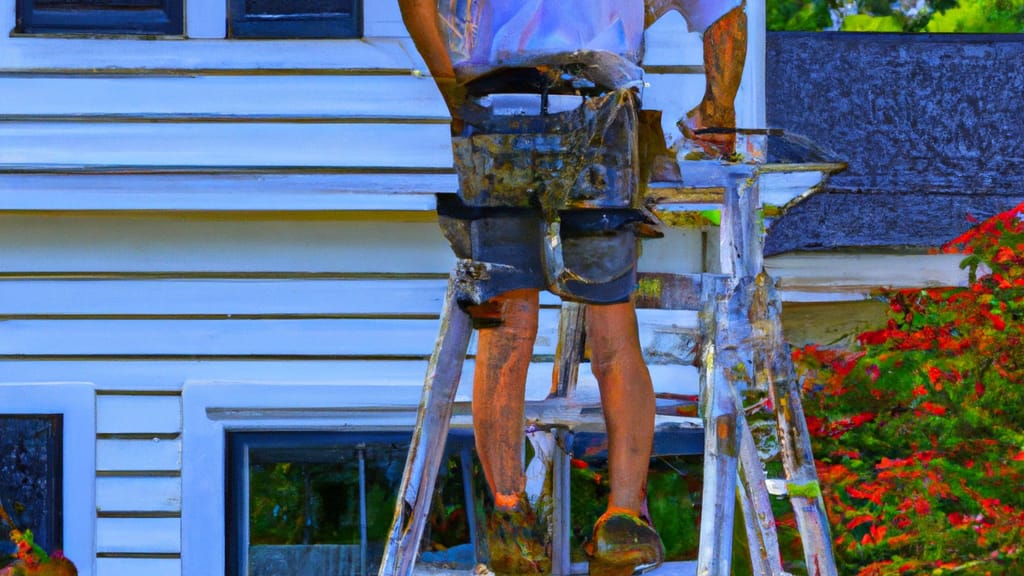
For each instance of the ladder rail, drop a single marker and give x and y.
(428, 440)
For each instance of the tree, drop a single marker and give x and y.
(1006, 16)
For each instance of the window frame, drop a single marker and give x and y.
(169, 20)
(76, 402)
(213, 409)
(240, 443)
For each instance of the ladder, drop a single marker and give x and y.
(742, 357)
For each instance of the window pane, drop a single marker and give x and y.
(295, 18)
(304, 502)
(95, 4)
(297, 7)
(30, 477)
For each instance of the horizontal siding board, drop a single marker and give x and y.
(138, 566)
(662, 333)
(129, 414)
(393, 97)
(223, 145)
(62, 243)
(119, 494)
(222, 297)
(139, 455)
(224, 192)
(864, 272)
(218, 56)
(138, 535)
(334, 243)
(170, 375)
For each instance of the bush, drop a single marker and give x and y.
(918, 432)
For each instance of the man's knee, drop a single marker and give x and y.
(514, 312)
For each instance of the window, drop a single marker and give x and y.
(322, 502)
(30, 478)
(101, 16)
(295, 19)
(51, 426)
(246, 18)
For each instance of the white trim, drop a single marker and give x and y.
(76, 401)
(255, 405)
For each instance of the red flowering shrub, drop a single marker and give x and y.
(919, 433)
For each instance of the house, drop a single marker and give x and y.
(215, 245)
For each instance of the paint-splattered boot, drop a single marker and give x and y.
(623, 544)
(518, 542)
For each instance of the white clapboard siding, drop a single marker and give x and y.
(330, 244)
(237, 97)
(171, 375)
(133, 414)
(138, 535)
(135, 243)
(154, 454)
(225, 192)
(138, 567)
(386, 55)
(864, 272)
(665, 335)
(225, 297)
(120, 494)
(669, 43)
(216, 145)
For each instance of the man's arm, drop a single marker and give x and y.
(725, 52)
(420, 17)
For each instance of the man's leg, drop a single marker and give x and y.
(516, 539)
(725, 51)
(627, 397)
(503, 355)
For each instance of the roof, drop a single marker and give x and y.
(930, 126)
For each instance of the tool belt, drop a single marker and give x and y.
(548, 196)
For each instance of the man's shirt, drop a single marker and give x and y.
(486, 35)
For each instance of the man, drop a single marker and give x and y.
(579, 59)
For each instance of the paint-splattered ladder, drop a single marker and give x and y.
(743, 358)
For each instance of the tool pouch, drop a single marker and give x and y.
(578, 171)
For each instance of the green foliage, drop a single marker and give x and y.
(975, 16)
(984, 15)
(798, 15)
(918, 432)
(866, 23)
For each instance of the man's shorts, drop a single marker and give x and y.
(549, 200)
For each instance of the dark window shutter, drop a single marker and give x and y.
(157, 17)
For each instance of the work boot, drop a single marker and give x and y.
(517, 541)
(623, 543)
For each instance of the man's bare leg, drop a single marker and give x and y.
(499, 385)
(627, 397)
(516, 539)
(621, 539)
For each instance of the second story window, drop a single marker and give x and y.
(157, 17)
(245, 18)
(294, 19)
